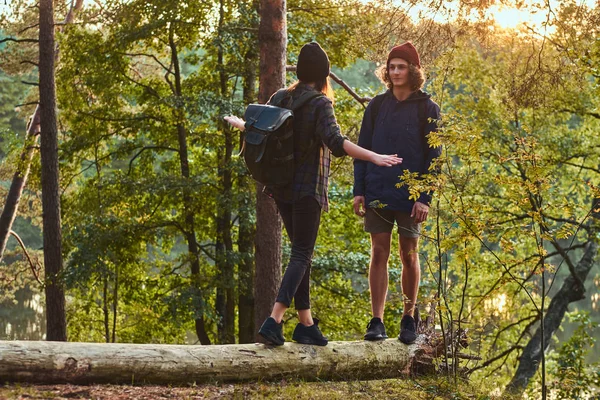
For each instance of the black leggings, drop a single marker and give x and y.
(301, 220)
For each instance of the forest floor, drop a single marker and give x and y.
(401, 389)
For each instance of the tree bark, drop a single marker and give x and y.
(105, 308)
(225, 300)
(570, 291)
(86, 363)
(247, 230)
(52, 235)
(272, 38)
(9, 212)
(188, 206)
(246, 270)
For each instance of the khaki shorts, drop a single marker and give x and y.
(380, 221)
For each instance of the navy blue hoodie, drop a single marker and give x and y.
(397, 131)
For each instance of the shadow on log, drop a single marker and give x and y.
(84, 363)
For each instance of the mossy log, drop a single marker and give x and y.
(85, 363)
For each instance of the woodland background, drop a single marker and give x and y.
(159, 214)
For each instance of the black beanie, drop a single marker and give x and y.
(313, 64)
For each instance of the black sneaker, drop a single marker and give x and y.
(375, 330)
(408, 330)
(272, 331)
(309, 334)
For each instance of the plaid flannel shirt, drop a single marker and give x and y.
(316, 136)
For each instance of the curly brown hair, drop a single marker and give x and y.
(415, 76)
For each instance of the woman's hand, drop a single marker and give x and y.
(386, 160)
(236, 122)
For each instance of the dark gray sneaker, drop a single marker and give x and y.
(272, 332)
(375, 330)
(309, 334)
(408, 330)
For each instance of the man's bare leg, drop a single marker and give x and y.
(411, 273)
(378, 271)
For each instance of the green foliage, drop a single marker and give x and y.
(570, 376)
(519, 168)
(126, 216)
(513, 187)
(12, 123)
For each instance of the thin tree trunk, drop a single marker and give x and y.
(9, 212)
(188, 207)
(247, 232)
(115, 304)
(246, 270)
(105, 308)
(52, 235)
(570, 291)
(272, 38)
(225, 301)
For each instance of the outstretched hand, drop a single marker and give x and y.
(236, 122)
(386, 160)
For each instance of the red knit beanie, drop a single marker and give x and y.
(407, 52)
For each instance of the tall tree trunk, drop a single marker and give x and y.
(247, 231)
(272, 38)
(570, 291)
(188, 207)
(52, 235)
(9, 212)
(225, 301)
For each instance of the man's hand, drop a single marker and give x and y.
(419, 212)
(359, 205)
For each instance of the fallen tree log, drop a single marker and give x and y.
(85, 363)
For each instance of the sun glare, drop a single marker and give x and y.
(511, 18)
(503, 16)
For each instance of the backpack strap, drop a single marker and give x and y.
(377, 101)
(281, 98)
(422, 115)
(305, 98)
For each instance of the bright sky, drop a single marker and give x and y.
(3, 6)
(512, 18)
(532, 13)
(505, 17)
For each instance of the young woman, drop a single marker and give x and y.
(316, 135)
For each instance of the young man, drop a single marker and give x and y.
(397, 121)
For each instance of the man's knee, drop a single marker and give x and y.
(409, 251)
(380, 255)
(411, 258)
(380, 248)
